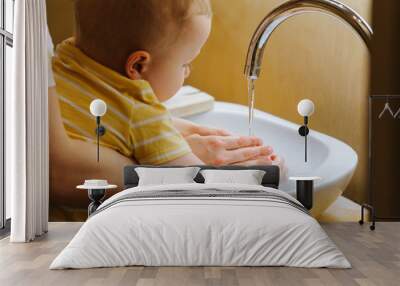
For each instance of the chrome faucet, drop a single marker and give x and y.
(296, 7)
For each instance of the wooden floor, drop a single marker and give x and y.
(375, 257)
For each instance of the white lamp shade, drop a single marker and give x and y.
(306, 107)
(98, 107)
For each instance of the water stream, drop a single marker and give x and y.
(251, 99)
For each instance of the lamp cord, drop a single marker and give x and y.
(98, 138)
(305, 137)
(305, 146)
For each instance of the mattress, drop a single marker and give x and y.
(201, 225)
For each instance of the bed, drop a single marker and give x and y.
(199, 224)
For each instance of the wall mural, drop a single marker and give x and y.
(157, 88)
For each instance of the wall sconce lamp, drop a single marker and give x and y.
(98, 108)
(306, 109)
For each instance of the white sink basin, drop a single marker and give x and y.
(329, 158)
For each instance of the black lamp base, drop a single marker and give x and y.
(96, 196)
(304, 192)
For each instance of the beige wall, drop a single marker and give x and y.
(310, 56)
(60, 19)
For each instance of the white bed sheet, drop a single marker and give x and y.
(200, 232)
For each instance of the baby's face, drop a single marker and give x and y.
(168, 70)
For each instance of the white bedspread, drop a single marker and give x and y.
(189, 231)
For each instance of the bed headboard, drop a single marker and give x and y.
(271, 177)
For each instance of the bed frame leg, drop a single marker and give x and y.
(373, 218)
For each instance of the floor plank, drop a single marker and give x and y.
(375, 257)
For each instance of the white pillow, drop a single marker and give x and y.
(166, 176)
(248, 177)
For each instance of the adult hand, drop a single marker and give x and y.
(187, 128)
(268, 160)
(220, 147)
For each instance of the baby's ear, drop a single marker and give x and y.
(136, 64)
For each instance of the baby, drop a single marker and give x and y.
(133, 54)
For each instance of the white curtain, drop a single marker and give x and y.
(27, 124)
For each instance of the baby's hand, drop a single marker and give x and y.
(188, 128)
(227, 150)
(207, 131)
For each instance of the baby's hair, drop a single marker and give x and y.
(110, 30)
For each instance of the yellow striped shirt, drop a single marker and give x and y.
(137, 124)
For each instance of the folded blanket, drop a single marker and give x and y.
(206, 192)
